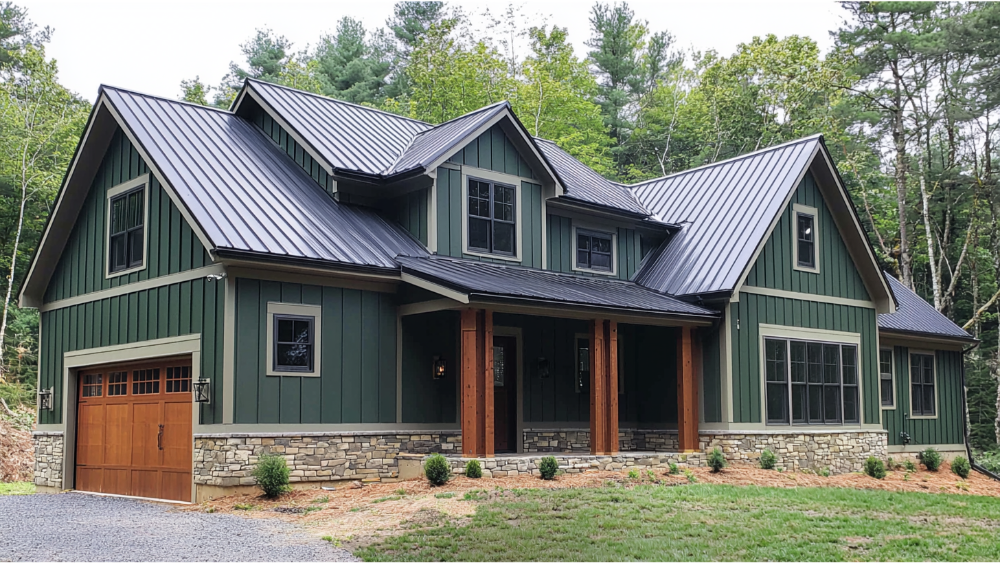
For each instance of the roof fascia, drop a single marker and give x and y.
(902, 337)
(544, 307)
(439, 289)
(568, 203)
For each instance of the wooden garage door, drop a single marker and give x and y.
(133, 432)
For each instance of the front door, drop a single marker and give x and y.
(504, 394)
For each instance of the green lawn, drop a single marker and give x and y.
(707, 522)
(19, 488)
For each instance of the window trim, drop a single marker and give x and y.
(482, 175)
(799, 209)
(297, 310)
(909, 380)
(596, 230)
(113, 192)
(892, 377)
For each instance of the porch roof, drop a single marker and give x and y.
(915, 316)
(501, 281)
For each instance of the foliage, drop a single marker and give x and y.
(931, 459)
(961, 467)
(909, 465)
(473, 470)
(767, 459)
(825, 472)
(674, 470)
(875, 468)
(17, 488)
(271, 473)
(989, 461)
(549, 466)
(437, 469)
(716, 460)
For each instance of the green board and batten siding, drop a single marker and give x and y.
(190, 307)
(948, 427)
(493, 151)
(560, 242)
(753, 310)
(293, 149)
(838, 276)
(410, 211)
(357, 343)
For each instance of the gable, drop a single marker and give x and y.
(252, 112)
(838, 274)
(494, 151)
(172, 246)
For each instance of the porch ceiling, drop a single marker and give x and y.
(477, 281)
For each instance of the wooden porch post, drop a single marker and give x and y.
(687, 393)
(477, 382)
(603, 387)
(611, 433)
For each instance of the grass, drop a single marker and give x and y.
(708, 522)
(17, 488)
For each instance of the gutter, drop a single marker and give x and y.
(243, 255)
(965, 420)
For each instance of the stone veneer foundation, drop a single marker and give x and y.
(48, 459)
(840, 452)
(509, 465)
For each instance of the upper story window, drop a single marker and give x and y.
(127, 226)
(492, 217)
(886, 385)
(811, 382)
(806, 255)
(293, 334)
(923, 397)
(594, 251)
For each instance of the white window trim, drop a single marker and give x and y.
(140, 181)
(909, 382)
(892, 377)
(814, 213)
(811, 335)
(302, 310)
(612, 232)
(491, 176)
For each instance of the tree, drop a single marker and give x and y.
(409, 24)
(350, 67)
(195, 91)
(269, 58)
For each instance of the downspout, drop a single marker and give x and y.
(965, 420)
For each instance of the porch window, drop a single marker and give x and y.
(492, 217)
(594, 251)
(885, 378)
(126, 228)
(293, 343)
(922, 393)
(811, 382)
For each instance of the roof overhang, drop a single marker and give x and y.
(570, 203)
(889, 336)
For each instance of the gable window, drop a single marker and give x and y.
(292, 336)
(923, 400)
(594, 251)
(127, 227)
(492, 217)
(804, 236)
(810, 382)
(886, 386)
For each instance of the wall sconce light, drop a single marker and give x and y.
(202, 391)
(543, 368)
(45, 399)
(440, 367)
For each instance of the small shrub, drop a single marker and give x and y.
(473, 470)
(960, 466)
(674, 470)
(437, 469)
(990, 461)
(401, 492)
(931, 459)
(781, 469)
(875, 468)
(767, 459)
(825, 472)
(690, 476)
(906, 476)
(651, 475)
(716, 460)
(909, 465)
(633, 474)
(271, 473)
(548, 467)
(890, 464)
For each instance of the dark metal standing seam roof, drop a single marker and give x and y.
(915, 316)
(515, 281)
(725, 210)
(583, 184)
(248, 195)
(431, 144)
(347, 136)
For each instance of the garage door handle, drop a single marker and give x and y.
(159, 438)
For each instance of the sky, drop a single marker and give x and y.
(151, 45)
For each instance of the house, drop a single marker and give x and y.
(354, 289)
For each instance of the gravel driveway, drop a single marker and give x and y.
(78, 527)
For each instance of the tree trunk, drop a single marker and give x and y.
(935, 270)
(10, 278)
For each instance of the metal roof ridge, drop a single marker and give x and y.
(104, 87)
(337, 101)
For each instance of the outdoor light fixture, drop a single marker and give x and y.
(543, 367)
(202, 391)
(904, 437)
(45, 399)
(440, 367)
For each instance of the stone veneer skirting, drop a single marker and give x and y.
(512, 465)
(840, 452)
(49, 459)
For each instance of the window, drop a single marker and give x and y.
(92, 385)
(146, 381)
(293, 343)
(492, 222)
(922, 396)
(179, 379)
(805, 238)
(117, 383)
(594, 251)
(810, 382)
(127, 227)
(885, 378)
